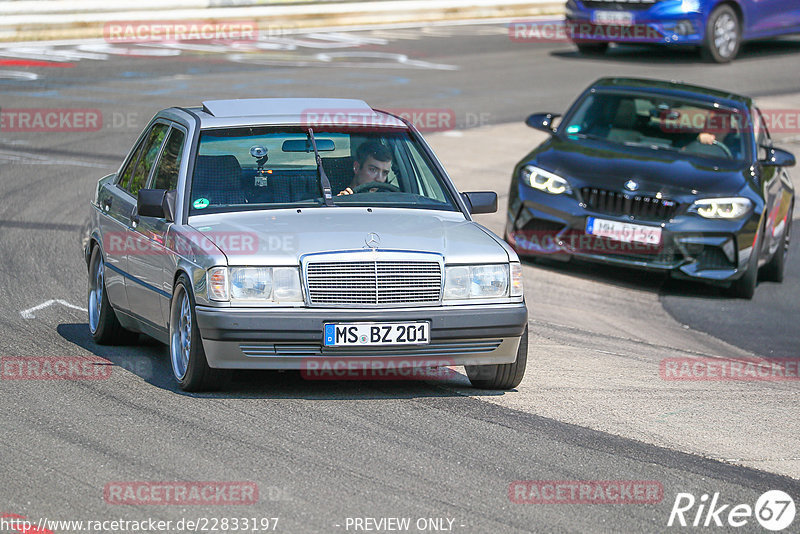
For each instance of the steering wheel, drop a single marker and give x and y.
(714, 143)
(723, 147)
(376, 185)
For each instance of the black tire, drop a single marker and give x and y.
(773, 271)
(103, 322)
(745, 287)
(592, 49)
(501, 376)
(193, 372)
(723, 35)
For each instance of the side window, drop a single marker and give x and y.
(125, 176)
(167, 170)
(148, 156)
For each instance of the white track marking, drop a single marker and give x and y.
(18, 75)
(116, 50)
(36, 159)
(30, 313)
(47, 53)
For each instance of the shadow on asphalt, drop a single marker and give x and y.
(149, 360)
(765, 325)
(598, 272)
(655, 54)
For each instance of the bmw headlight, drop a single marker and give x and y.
(722, 208)
(255, 284)
(463, 282)
(543, 180)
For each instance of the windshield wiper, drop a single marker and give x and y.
(327, 195)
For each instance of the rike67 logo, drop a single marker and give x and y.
(774, 510)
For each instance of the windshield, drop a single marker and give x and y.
(660, 124)
(268, 168)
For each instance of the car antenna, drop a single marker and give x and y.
(323, 178)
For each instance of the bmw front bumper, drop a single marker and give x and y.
(709, 250)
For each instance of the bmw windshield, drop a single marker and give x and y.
(659, 123)
(253, 168)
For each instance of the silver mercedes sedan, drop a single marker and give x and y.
(318, 235)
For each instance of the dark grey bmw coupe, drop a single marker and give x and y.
(657, 175)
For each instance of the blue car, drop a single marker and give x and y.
(718, 27)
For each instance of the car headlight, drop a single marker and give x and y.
(249, 284)
(722, 208)
(543, 180)
(476, 282)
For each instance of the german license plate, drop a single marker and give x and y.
(615, 18)
(622, 231)
(371, 334)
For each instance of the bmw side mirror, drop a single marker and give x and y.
(777, 157)
(481, 201)
(156, 203)
(542, 121)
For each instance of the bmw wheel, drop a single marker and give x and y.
(773, 271)
(745, 287)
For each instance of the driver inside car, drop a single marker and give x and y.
(372, 164)
(720, 130)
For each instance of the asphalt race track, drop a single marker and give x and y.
(592, 406)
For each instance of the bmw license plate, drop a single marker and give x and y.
(613, 18)
(622, 231)
(371, 334)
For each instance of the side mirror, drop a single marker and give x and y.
(481, 201)
(542, 121)
(777, 157)
(158, 203)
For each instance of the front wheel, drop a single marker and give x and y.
(723, 35)
(189, 363)
(745, 287)
(501, 376)
(773, 271)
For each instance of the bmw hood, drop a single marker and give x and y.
(597, 164)
(281, 237)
